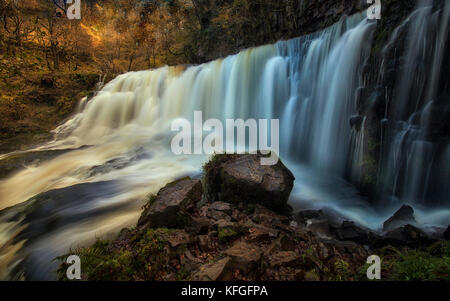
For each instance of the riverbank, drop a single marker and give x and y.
(189, 231)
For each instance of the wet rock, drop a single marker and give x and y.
(306, 217)
(356, 122)
(219, 271)
(402, 217)
(322, 229)
(408, 236)
(245, 257)
(171, 203)
(14, 163)
(350, 232)
(320, 222)
(243, 179)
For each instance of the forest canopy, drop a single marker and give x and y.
(115, 36)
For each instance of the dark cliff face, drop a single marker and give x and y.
(370, 100)
(377, 103)
(255, 23)
(387, 113)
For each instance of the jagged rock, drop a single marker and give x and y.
(362, 96)
(227, 230)
(219, 271)
(323, 251)
(217, 215)
(307, 216)
(402, 217)
(198, 225)
(265, 216)
(350, 232)
(243, 179)
(244, 256)
(222, 224)
(237, 215)
(189, 261)
(320, 222)
(282, 243)
(178, 238)
(408, 236)
(221, 207)
(447, 233)
(286, 259)
(205, 243)
(261, 233)
(171, 203)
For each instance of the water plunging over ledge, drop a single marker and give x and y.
(120, 142)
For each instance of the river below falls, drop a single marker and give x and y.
(115, 150)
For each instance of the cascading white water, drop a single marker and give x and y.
(120, 141)
(357, 147)
(123, 133)
(411, 158)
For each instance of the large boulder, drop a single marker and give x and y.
(349, 231)
(307, 217)
(169, 207)
(402, 217)
(408, 236)
(243, 179)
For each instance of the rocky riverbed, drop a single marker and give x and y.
(235, 224)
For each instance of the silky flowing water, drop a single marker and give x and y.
(119, 142)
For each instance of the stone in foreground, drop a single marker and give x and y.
(166, 209)
(408, 236)
(242, 179)
(402, 217)
(219, 271)
(244, 256)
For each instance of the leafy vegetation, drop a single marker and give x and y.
(139, 256)
(431, 264)
(426, 264)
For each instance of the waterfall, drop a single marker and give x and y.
(308, 83)
(357, 147)
(118, 143)
(411, 151)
